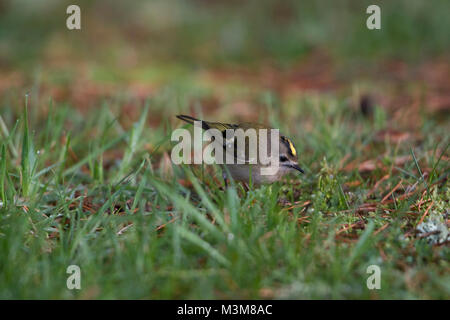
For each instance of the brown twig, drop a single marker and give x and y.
(381, 229)
(301, 205)
(375, 187)
(426, 212)
(165, 224)
(392, 191)
(345, 228)
(424, 235)
(124, 229)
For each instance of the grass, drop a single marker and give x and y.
(85, 170)
(139, 228)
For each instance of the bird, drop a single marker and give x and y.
(248, 172)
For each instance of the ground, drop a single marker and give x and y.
(85, 171)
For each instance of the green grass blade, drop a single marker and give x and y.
(28, 160)
(186, 207)
(195, 239)
(3, 176)
(133, 142)
(361, 245)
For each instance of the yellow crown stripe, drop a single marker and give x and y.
(291, 146)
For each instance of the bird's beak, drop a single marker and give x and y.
(296, 167)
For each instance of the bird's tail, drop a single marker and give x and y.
(188, 119)
(207, 124)
(191, 120)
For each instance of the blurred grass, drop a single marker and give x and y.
(217, 32)
(153, 235)
(85, 178)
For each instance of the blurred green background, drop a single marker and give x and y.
(211, 32)
(214, 49)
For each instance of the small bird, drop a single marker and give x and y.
(288, 158)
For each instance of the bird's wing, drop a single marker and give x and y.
(207, 124)
(230, 144)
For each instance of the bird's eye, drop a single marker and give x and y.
(283, 159)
